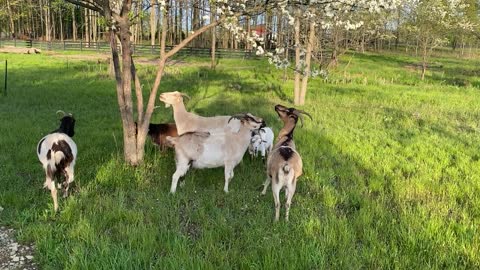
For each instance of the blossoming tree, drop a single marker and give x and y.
(118, 15)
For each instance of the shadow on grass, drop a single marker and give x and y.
(124, 217)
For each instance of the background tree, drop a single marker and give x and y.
(429, 21)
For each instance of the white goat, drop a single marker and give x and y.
(204, 150)
(284, 164)
(57, 152)
(190, 122)
(261, 141)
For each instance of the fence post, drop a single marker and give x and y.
(81, 46)
(14, 42)
(64, 45)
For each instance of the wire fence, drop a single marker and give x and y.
(137, 49)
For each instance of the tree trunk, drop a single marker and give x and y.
(287, 49)
(87, 27)
(42, 11)
(94, 26)
(61, 25)
(153, 22)
(134, 142)
(74, 25)
(214, 38)
(334, 57)
(308, 56)
(124, 94)
(196, 21)
(424, 59)
(10, 20)
(298, 68)
(48, 23)
(54, 29)
(280, 35)
(248, 46)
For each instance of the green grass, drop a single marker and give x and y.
(391, 177)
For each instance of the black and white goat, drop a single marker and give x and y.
(57, 152)
(261, 141)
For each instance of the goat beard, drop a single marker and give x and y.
(167, 105)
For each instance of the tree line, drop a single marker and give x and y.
(51, 20)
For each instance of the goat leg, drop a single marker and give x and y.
(289, 192)
(276, 187)
(228, 177)
(182, 169)
(266, 184)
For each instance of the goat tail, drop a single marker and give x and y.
(58, 157)
(286, 169)
(285, 174)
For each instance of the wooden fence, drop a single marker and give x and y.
(138, 49)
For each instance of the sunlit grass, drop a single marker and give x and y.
(391, 170)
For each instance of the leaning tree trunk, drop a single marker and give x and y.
(298, 68)
(308, 57)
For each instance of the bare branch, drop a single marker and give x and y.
(92, 6)
(197, 32)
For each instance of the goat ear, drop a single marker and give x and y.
(234, 125)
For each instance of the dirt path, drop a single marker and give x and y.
(12, 254)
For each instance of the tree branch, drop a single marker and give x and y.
(184, 42)
(92, 6)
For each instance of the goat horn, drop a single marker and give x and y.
(185, 95)
(304, 112)
(62, 112)
(301, 119)
(237, 116)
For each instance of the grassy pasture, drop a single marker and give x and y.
(391, 174)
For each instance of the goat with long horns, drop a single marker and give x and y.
(284, 164)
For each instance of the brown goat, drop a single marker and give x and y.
(284, 164)
(159, 132)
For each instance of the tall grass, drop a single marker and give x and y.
(391, 170)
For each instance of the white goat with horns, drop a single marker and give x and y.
(206, 150)
(190, 122)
